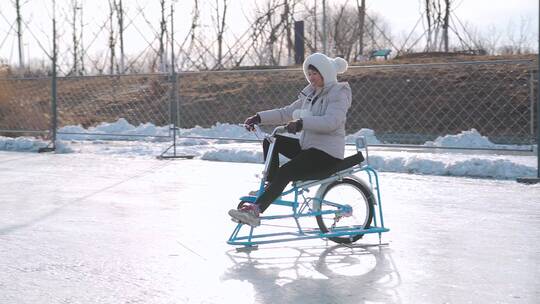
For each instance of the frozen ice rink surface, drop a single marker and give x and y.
(85, 228)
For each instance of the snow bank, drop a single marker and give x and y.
(470, 139)
(104, 130)
(223, 130)
(474, 165)
(233, 155)
(498, 167)
(367, 133)
(29, 144)
(120, 129)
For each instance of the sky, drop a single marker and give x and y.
(401, 15)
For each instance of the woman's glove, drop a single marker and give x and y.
(294, 126)
(250, 122)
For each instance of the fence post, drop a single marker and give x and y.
(531, 91)
(54, 110)
(173, 100)
(535, 180)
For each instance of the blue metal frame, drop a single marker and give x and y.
(300, 208)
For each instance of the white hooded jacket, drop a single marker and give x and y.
(323, 120)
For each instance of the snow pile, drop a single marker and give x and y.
(234, 155)
(26, 144)
(367, 133)
(470, 139)
(122, 129)
(223, 130)
(29, 144)
(102, 131)
(494, 167)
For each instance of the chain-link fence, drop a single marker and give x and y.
(403, 104)
(25, 105)
(139, 99)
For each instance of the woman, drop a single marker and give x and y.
(319, 114)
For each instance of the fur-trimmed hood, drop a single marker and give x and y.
(328, 67)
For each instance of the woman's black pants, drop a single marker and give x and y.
(302, 165)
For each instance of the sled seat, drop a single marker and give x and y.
(346, 163)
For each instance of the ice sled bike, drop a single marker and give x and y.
(345, 206)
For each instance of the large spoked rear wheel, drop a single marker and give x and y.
(345, 192)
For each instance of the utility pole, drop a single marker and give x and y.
(19, 32)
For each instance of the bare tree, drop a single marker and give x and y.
(438, 23)
(487, 41)
(429, 26)
(518, 40)
(220, 29)
(267, 29)
(75, 39)
(344, 29)
(191, 35)
(445, 24)
(288, 26)
(349, 37)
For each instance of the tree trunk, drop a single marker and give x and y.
(361, 18)
(82, 52)
(445, 24)
(120, 17)
(286, 15)
(315, 33)
(112, 42)
(220, 31)
(324, 25)
(19, 32)
(75, 67)
(163, 28)
(429, 29)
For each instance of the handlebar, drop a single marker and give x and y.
(261, 134)
(280, 129)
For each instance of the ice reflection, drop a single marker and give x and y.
(319, 274)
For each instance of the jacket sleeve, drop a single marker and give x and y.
(333, 118)
(281, 115)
